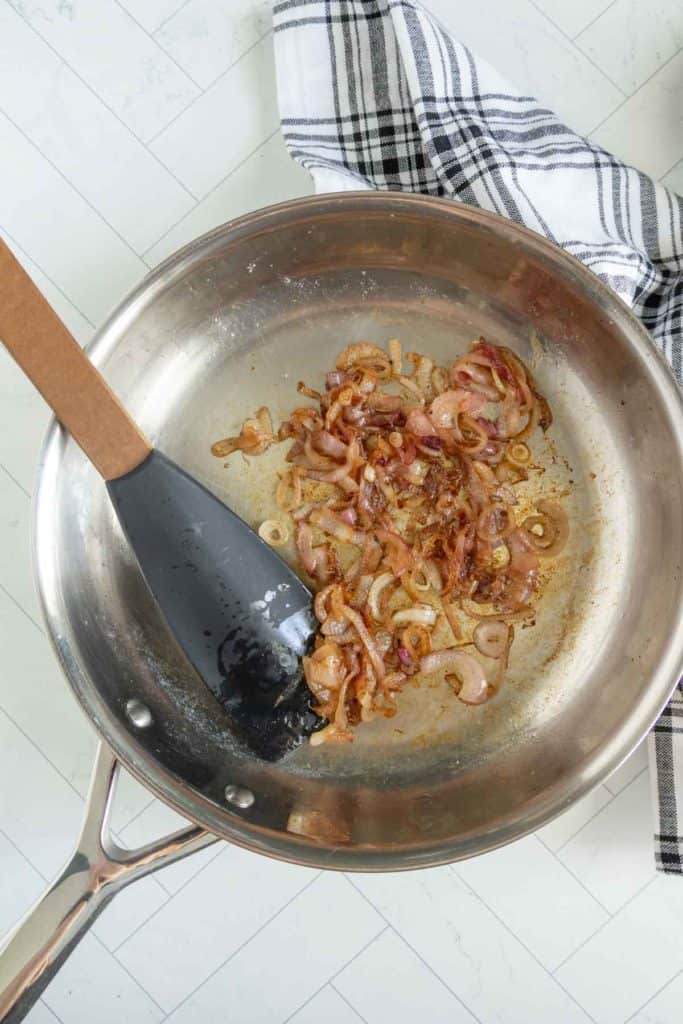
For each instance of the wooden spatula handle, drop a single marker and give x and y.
(75, 391)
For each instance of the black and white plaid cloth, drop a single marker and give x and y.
(375, 94)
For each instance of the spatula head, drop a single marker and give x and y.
(243, 618)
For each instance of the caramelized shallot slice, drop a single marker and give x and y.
(255, 436)
(492, 638)
(419, 614)
(356, 620)
(396, 355)
(289, 493)
(522, 572)
(360, 351)
(328, 444)
(554, 526)
(474, 688)
(423, 370)
(324, 669)
(378, 585)
(303, 538)
(273, 533)
(336, 527)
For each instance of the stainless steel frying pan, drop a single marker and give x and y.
(234, 321)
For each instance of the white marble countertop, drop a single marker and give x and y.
(127, 128)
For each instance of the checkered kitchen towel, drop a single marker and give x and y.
(375, 94)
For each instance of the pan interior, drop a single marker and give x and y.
(234, 325)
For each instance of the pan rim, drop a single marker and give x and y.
(173, 790)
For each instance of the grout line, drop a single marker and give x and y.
(578, 49)
(649, 882)
(634, 94)
(626, 784)
(104, 102)
(341, 994)
(415, 951)
(218, 847)
(172, 15)
(14, 480)
(508, 929)
(584, 887)
(61, 291)
(176, 893)
(205, 197)
(331, 979)
(137, 814)
(259, 40)
(401, 938)
(21, 608)
(246, 941)
(654, 995)
(151, 876)
(222, 75)
(132, 977)
(124, 825)
(605, 119)
(593, 20)
(47, 879)
(673, 166)
(3, 711)
(52, 1012)
(585, 825)
(146, 142)
(593, 816)
(156, 42)
(30, 863)
(71, 185)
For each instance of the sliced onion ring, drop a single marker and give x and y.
(289, 481)
(417, 641)
(336, 527)
(418, 580)
(474, 689)
(422, 373)
(396, 355)
(492, 638)
(555, 525)
(255, 436)
(356, 620)
(376, 588)
(321, 600)
(419, 614)
(274, 533)
(325, 667)
(518, 455)
(431, 571)
(359, 351)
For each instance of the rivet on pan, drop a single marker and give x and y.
(238, 796)
(139, 713)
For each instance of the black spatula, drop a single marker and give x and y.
(240, 614)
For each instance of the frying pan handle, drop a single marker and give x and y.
(55, 363)
(96, 871)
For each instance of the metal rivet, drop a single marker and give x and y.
(139, 713)
(240, 797)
